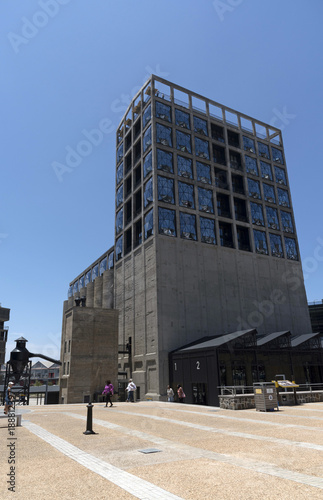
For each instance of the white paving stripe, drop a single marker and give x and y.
(137, 487)
(195, 453)
(244, 435)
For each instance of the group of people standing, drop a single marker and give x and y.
(180, 394)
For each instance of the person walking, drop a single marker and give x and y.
(108, 391)
(131, 389)
(170, 394)
(8, 398)
(180, 393)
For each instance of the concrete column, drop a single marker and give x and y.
(90, 295)
(98, 291)
(108, 289)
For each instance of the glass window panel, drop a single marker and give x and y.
(182, 119)
(95, 272)
(276, 245)
(269, 193)
(120, 173)
(257, 214)
(291, 250)
(184, 167)
(251, 165)
(103, 265)
(235, 160)
(119, 248)
(254, 189)
(186, 195)
(203, 172)
(149, 224)
(81, 282)
(188, 226)
(226, 239)
(272, 218)
(248, 144)
(148, 164)
(223, 205)
(165, 161)
(205, 200)
(163, 111)
(277, 155)
(207, 227)
(280, 175)
(146, 116)
(220, 178)
(260, 242)
(240, 210)
(166, 222)
(111, 260)
(120, 153)
(87, 277)
(217, 132)
(164, 135)
(147, 139)
(266, 172)
(75, 287)
(70, 291)
(165, 189)
(243, 238)
(119, 221)
(148, 193)
(263, 150)
(183, 142)
(200, 126)
(202, 148)
(219, 154)
(283, 198)
(287, 222)
(120, 195)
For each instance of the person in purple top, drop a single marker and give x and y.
(108, 391)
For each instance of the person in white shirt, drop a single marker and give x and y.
(170, 394)
(130, 389)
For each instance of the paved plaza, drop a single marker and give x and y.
(195, 453)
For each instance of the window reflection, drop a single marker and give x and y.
(260, 242)
(202, 148)
(164, 135)
(163, 111)
(188, 226)
(120, 195)
(251, 165)
(276, 245)
(165, 189)
(200, 126)
(111, 260)
(70, 291)
(119, 221)
(184, 167)
(266, 172)
(277, 155)
(272, 218)
(149, 224)
(183, 142)
(254, 189)
(203, 173)
(263, 150)
(148, 193)
(165, 161)
(148, 166)
(283, 198)
(75, 287)
(103, 265)
(280, 175)
(146, 116)
(186, 195)
(205, 197)
(291, 250)
(81, 282)
(207, 227)
(269, 193)
(120, 173)
(166, 222)
(120, 153)
(257, 214)
(119, 248)
(87, 277)
(147, 139)
(287, 222)
(248, 144)
(182, 119)
(95, 272)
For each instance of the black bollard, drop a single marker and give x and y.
(89, 420)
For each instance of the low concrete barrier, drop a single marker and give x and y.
(246, 401)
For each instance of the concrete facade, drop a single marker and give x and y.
(205, 237)
(4, 316)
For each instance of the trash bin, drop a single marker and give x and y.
(265, 396)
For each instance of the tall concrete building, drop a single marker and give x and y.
(205, 236)
(4, 316)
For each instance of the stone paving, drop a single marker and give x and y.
(202, 452)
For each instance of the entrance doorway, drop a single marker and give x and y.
(199, 391)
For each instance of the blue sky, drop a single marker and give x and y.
(70, 66)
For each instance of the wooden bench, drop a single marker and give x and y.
(17, 416)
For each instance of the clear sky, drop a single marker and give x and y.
(70, 66)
